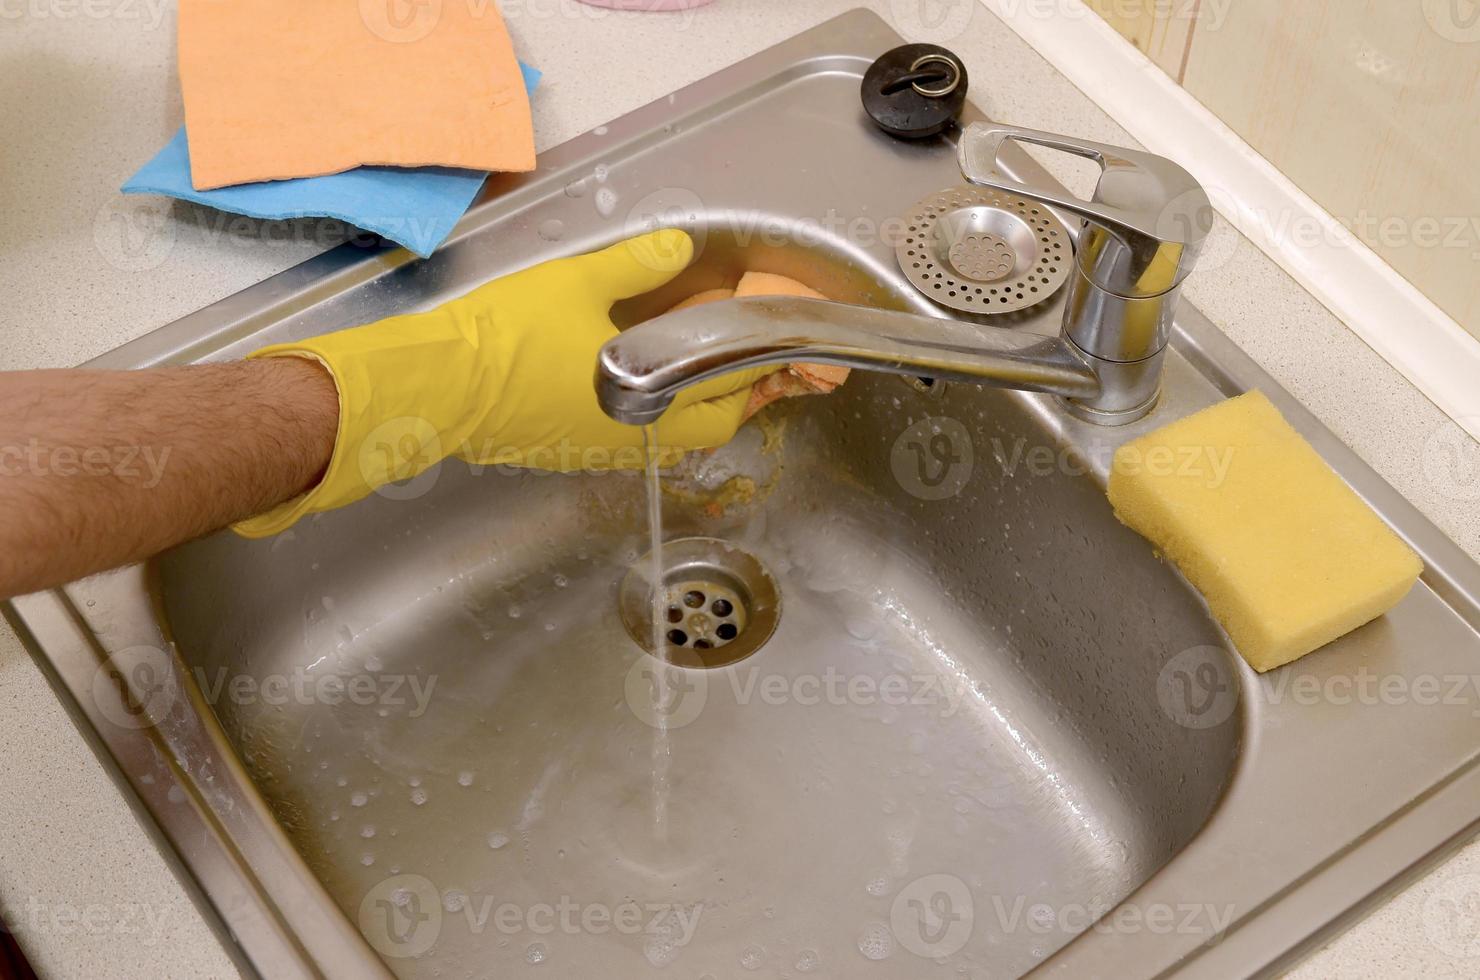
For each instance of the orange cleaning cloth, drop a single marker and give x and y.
(301, 88)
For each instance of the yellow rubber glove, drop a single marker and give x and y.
(501, 376)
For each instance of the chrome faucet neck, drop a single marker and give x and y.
(1142, 234)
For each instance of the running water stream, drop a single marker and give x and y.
(662, 750)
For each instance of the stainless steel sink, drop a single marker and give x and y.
(991, 732)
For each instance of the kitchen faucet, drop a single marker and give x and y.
(1142, 231)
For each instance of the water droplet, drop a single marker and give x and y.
(515, 612)
(601, 172)
(497, 840)
(374, 664)
(536, 953)
(576, 188)
(606, 202)
(660, 950)
(418, 796)
(751, 957)
(368, 830)
(465, 778)
(561, 581)
(878, 886)
(808, 961)
(454, 899)
(358, 798)
(552, 230)
(876, 943)
(602, 130)
(367, 859)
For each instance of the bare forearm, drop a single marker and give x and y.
(103, 468)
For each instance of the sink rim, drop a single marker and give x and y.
(55, 627)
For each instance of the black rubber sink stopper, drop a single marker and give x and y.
(915, 91)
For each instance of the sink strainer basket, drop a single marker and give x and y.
(978, 250)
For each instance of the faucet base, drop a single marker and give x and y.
(1128, 390)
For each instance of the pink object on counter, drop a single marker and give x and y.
(648, 4)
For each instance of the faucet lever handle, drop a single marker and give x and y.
(1146, 221)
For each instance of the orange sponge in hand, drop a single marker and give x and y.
(797, 379)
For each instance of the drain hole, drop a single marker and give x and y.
(719, 605)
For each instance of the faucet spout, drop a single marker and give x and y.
(640, 372)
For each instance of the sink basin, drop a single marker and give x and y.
(950, 672)
(991, 732)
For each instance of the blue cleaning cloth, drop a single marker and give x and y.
(414, 207)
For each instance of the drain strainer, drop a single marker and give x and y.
(978, 250)
(720, 604)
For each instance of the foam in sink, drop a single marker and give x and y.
(1287, 555)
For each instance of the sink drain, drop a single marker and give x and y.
(720, 605)
(978, 250)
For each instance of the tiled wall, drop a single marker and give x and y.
(1371, 106)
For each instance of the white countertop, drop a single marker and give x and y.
(90, 94)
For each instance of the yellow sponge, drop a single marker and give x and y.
(1287, 555)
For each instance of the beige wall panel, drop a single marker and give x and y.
(1373, 108)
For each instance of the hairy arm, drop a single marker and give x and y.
(103, 468)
